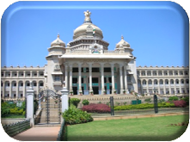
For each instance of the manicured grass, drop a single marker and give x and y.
(14, 116)
(141, 129)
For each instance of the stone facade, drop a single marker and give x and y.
(88, 67)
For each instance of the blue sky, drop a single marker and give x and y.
(157, 31)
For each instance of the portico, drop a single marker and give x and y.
(97, 77)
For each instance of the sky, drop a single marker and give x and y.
(156, 31)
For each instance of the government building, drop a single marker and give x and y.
(85, 66)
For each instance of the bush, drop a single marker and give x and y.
(74, 101)
(76, 116)
(85, 102)
(174, 98)
(180, 103)
(16, 111)
(186, 99)
(148, 100)
(96, 108)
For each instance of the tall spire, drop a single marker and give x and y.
(87, 16)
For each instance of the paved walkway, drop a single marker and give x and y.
(39, 134)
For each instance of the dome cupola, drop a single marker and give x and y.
(122, 43)
(87, 29)
(58, 42)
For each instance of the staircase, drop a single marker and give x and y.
(54, 114)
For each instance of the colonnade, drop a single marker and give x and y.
(122, 74)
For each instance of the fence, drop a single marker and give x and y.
(16, 128)
(62, 136)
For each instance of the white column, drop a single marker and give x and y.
(24, 89)
(37, 85)
(17, 91)
(90, 78)
(24, 75)
(169, 84)
(158, 85)
(113, 80)
(10, 90)
(17, 73)
(30, 105)
(79, 78)
(3, 94)
(180, 90)
(31, 74)
(71, 77)
(66, 76)
(164, 87)
(121, 79)
(125, 79)
(102, 78)
(37, 73)
(147, 87)
(175, 87)
(11, 74)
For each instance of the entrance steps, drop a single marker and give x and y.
(53, 111)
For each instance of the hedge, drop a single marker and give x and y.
(143, 106)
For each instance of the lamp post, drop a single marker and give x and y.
(155, 102)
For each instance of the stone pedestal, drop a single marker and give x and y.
(64, 99)
(30, 106)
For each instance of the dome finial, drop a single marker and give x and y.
(122, 37)
(58, 35)
(87, 16)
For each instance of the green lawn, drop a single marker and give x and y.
(141, 129)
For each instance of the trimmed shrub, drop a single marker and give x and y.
(85, 102)
(76, 116)
(148, 100)
(74, 101)
(142, 106)
(174, 98)
(100, 108)
(180, 103)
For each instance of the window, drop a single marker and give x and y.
(107, 69)
(105, 80)
(75, 80)
(57, 78)
(2, 74)
(75, 70)
(14, 84)
(27, 84)
(110, 80)
(95, 70)
(94, 80)
(21, 84)
(41, 84)
(34, 83)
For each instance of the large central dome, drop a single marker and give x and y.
(87, 29)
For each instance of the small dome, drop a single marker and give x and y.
(58, 41)
(122, 43)
(87, 27)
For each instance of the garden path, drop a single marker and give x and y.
(39, 134)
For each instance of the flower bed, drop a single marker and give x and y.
(100, 108)
(180, 103)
